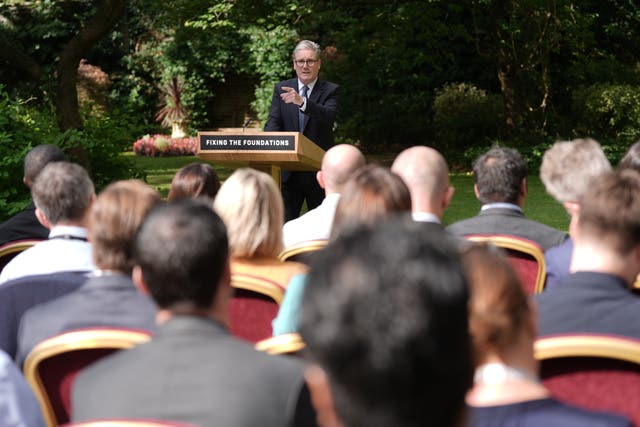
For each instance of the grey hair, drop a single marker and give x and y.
(306, 45)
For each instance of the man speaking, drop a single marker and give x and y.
(309, 105)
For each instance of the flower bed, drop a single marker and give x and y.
(163, 145)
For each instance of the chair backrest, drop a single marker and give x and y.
(254, 305)
(303, 251)
(11, 249)
(130, 423)
(593, 371)
(53, 364)
(526, 257)
(289, 344)
(19, 295)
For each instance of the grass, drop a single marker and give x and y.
(539, 206)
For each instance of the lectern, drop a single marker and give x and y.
(266, 151)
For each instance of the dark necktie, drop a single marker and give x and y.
(302, 119)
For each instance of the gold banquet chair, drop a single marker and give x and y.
(9, 250)
(289, 344)
(526, 258)
(52, 365)
(303, 251)
(593, 371)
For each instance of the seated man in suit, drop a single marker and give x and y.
(385, 324)
(18, 405)
(566, 170)
(62, 193)
(192, 370)
(596, 296)
(24, 225)
(109, 297)
(501, 186)
(338, 165)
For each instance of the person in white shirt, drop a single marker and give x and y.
(62, 193)
(338, 164)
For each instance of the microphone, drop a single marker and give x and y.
(244, 126)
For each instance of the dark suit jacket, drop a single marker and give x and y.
(321, 111)
(19, 295)
(110, 300)
(194, 371)
(589, 302)
(509, 222)
(22, 226)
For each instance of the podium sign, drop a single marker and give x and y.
(265, 151)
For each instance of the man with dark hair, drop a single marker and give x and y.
(385, 324)
(24, 225)
(109, 297)
(192, 370)
(62, 193)
(596, 296)
(308, 105)
(501, 187)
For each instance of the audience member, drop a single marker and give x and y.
(566, 170)
(18, 405)
(192, 370)
(109, 297)
(251, 207)
(385, 324)
(501, 186)
(631, 159)
(370, 195)
(194, 180)
(507, 391)
(426, 174)
(338, 164)
(62, 193)
(24, 225)
(596, 296)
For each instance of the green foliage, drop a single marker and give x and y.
(465, 116)
(608, 112)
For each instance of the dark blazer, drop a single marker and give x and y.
(19, 295)
(509, 222)
(542, 412)
(110, 300)
(321, 111)
(589, 302)
(22, 226)
(194, 371)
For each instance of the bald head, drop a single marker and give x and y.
(338, 165)
(426, 174)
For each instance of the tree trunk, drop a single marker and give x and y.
(107, 14)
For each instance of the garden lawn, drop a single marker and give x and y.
(539, 206)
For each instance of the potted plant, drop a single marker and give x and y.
(173, 113)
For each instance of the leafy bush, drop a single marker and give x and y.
(22, 127)
(163, 145)
(464, 117)
(608, 112)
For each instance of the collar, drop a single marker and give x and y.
(501, 205)
(425, 217)
(310, 86)
(68, 230)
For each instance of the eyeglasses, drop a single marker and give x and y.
(302, 62)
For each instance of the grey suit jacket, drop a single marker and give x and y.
(194, 371)
(509, 222)
(110, 300)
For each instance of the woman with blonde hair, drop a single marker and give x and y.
(502, 322)
(251, 207)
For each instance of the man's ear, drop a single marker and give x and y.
(321, 396)
(320, 179)
(448, 195)
(42, 219)
(475, 191)
(523, 187)
(138, 280)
